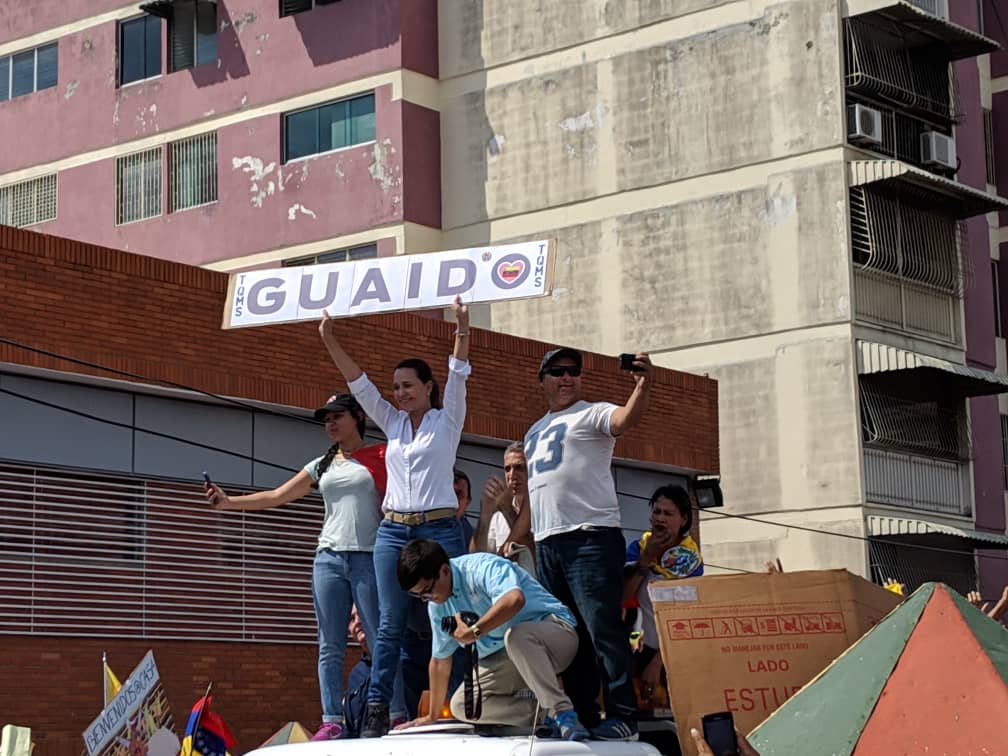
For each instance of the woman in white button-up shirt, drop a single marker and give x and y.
(423, 438)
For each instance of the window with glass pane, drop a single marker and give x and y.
(4, 79)
(192, 32)
(46, 67)
(206, 33)
(28, 71)
(329, 127)
(290, 7)
(22, 73)
(363, 252)
(139, 49)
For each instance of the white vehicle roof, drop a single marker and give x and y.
(441, 743)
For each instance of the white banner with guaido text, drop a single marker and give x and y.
(390, 284)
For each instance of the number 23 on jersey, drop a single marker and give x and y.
(545, 450)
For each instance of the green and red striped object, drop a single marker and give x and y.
(932, 677)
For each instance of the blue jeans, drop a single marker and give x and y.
(339, 580)
(391, 538)
(584, 569)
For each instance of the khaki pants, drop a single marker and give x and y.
(534, 655)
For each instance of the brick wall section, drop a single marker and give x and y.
(162, 319)
(58, 688)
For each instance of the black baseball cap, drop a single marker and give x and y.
(553, 354)
(337, 403)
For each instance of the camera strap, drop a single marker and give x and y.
(473, 691)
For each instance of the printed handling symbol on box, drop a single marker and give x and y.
(723, 628)
(833, 623)
(790, 624)
(679, 630)
(812, 623)
(746, 626)
(769, 626)
(702, 628)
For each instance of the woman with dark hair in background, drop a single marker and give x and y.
(665, 552)
(351, 478)
(423, 437)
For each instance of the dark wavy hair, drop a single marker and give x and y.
(423, 371)
(330, 455)
(678, 496)
(420, 559)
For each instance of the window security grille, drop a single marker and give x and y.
(193, 171)
(931, 428)
(138, 186)
(908, 270)
(122, 556)
(28, 202)
(879, 66)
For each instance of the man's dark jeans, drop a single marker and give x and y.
(584, 569)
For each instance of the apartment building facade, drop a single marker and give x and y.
(793, 196)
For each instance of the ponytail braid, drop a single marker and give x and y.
(323, 464)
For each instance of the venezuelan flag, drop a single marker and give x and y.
(205, 733)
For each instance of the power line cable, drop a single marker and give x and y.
(161, 381)
(270, 411)
(133, 427)
(851, 536)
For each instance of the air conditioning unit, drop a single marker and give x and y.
(864, 125)
(937, 8)
(938, 150)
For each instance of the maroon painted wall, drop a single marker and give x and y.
(263, 58)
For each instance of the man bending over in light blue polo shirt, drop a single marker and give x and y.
(524, 636)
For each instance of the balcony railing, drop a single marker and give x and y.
(915, 481)
(908, 272)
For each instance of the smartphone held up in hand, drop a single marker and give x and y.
(719, 732)
(626, 362)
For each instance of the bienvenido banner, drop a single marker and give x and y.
(390, 284)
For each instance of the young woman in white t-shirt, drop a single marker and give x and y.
(351, 478)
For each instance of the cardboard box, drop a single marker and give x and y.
(747, 643)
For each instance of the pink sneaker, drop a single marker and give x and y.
(330, 731)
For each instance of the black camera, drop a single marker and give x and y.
(449, 624)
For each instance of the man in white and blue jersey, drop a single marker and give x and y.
(575, 519)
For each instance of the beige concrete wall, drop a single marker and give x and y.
(744, 83)
(789, 449)
(477, 34)
(765, 258)
(688, 158)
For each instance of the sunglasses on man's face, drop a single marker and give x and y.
(561, 370)
(425, 594)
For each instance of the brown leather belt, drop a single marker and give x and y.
(419, 518)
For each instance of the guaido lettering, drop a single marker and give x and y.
(268, 296)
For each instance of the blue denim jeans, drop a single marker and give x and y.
(391, 538)
(584, 569)
(341, 579)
